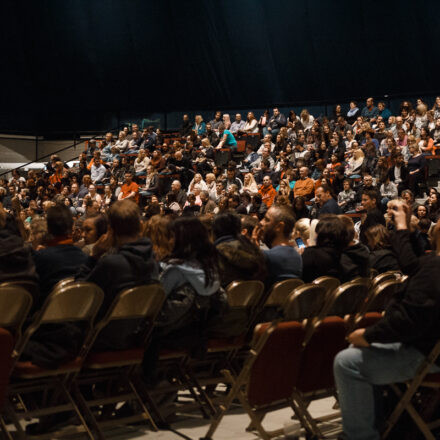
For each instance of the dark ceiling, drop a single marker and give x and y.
(77, 63)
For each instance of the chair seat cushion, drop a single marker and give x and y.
(171, 354)
(29, 370)
(221, 344)
(433, 377)
(109, 358)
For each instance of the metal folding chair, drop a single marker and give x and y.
(119, 370)
(269, 376)
(330, 284)
(389, 275)
(280, 291)
(423, 379)
(244, 299)
(348, 301)
(15, 304)
(77, 302)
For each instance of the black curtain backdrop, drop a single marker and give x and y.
(79, 63)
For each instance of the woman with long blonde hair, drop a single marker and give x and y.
(249, 184)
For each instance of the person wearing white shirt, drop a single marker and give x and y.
(267, 138)
(251, 125)
(141, 163)
(197, 180)
(237, 125)
(306, 120)
(122, 142)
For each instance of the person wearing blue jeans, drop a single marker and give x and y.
(393, 349)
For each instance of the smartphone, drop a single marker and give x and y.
(300, 243)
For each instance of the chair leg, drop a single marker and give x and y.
(21, 434)
(77, 411)
(89, 414)
(236, 384)
(405, 404)
(306, 420)
(145, 411)
(4, 428)
(260, 415)
(142, 387)
(186, 378)
(204, 396)
(255, 419)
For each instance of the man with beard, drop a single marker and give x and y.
(282, 260)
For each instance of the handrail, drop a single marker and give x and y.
(61, 150)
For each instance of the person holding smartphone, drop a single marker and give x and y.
(393, 349)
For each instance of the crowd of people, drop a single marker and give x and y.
(284, 209)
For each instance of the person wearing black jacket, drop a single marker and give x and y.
(239, 259)
(186, 128)
(393, 349)
(16, 263)
(276, 122)
(355, 257)
(399, 174)
(53, 344)
(374, 216)
(325, 257)
(129, 259)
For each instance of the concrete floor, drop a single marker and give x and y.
(232, 427)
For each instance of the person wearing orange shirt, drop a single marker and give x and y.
(267, 192)
(130, 189)
(58, 174)
(96, 159)
(305, 186)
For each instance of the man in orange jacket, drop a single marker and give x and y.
(267, 191)
(305, 186)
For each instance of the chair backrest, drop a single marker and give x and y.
(64, 282)
(389, 275)
(140, 302)
(241, 146)
(382, 294)
(244, 293)
(373, 273)
(349, 299)
(274, 362)
(31, 286)
(15, 304)
(305, 302)
(330, 284)
(280, 291)
(78, 301)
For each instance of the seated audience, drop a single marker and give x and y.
(325, 257)
(355, 257)
(403, 337)
(123, 253)
(282, 260)
(239, 258)
(382, 257)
